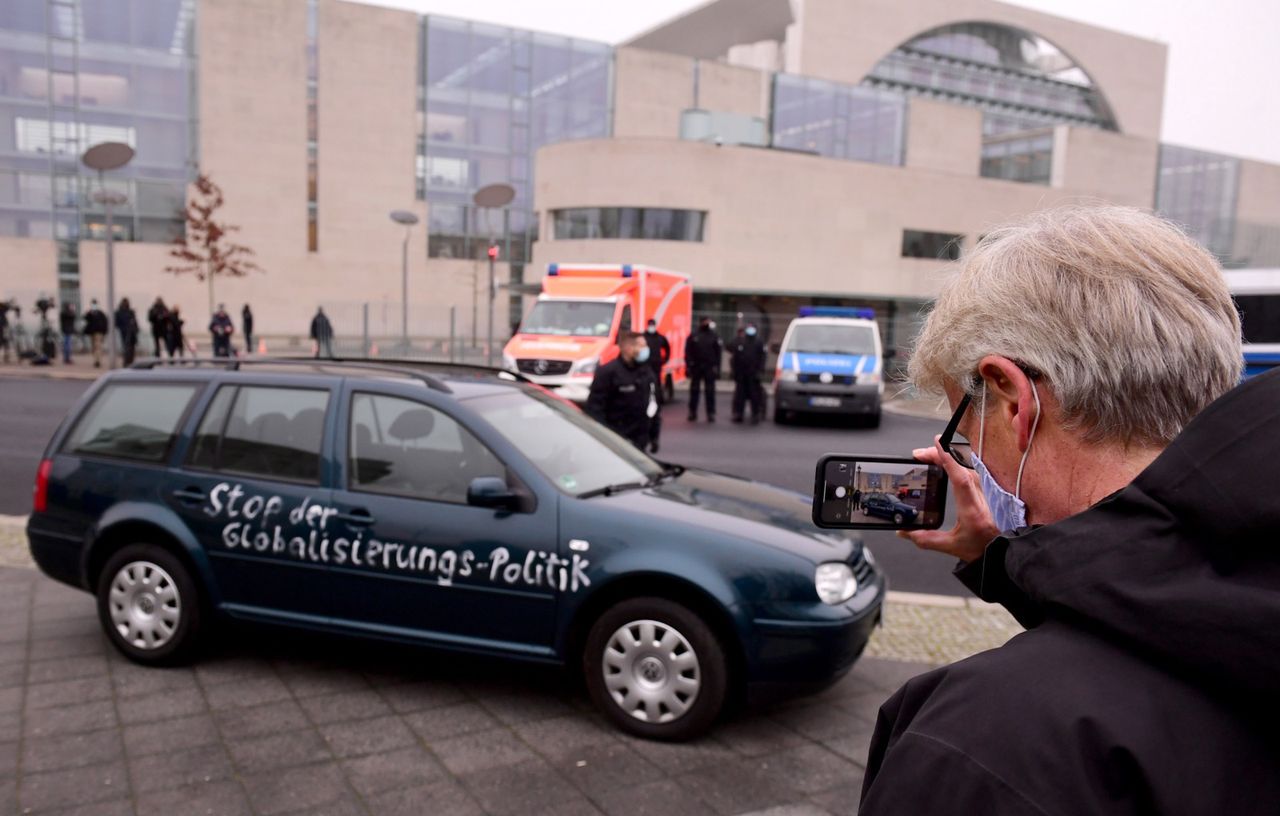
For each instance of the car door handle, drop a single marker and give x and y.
(358, 518)
(189, 494)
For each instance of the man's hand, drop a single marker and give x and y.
(974, 527)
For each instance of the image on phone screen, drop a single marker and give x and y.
(883, 492)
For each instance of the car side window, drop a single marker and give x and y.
(275, 433)
(405, 448)
(132, 421)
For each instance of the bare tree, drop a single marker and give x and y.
(206, 248)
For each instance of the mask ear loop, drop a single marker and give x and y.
(982, 417)
(1017, 488)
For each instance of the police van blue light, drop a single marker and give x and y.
(830, 361)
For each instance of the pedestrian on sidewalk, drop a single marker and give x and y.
(157, 316)
(246, 323)
(624, 392)
(746, 362)
(221, 327)
(96, 327)
(172, 329)
(127, 326)
(702, 353)
(322, 333)
(659, 355)
(67, 326)
(1114, 499)
(4, 330)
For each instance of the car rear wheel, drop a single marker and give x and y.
(655, 669)
(149, 605)
(897, 518)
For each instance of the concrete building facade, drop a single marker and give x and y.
(781, 152)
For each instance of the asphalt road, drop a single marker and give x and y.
(30, 410)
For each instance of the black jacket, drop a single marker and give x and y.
(95, 322)
(746, 357)
(1147, 681)
(221, 324)
(659, 351)
(127, 324)
(620, 395)
(702, 352)
(67, 321)
(321, 328)
(246, 320)
(156, 317)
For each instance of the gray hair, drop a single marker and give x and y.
(1129, 320)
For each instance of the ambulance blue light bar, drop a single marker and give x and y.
(838, 311)
(553, 270)
(626, 270)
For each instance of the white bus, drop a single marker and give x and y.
(1257, 295)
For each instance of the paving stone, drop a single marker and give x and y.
(483, 750)
(806, 809)
(570, 736)
(8, 760)
(525, 787)
(272, 718)
(376, 774)
(132, 680)
(408, 697)
(194, 731)
(254, 754)
(522, 707)
(606, 767)
(372, 736)
(223, 797)
(176, 769)
(10, 727)
(306, 788)
(444, 797)
(245, 693)
(812, 769)
(86, 645)
(741, 784)
(70, 719)
(681, 757)
(347, 705)
(665, 798)
(820, 722)
(41, 754)
(843, 798)
(43, 792)
(115, 807)
(315, 682)
(67, 668)
(11, 700)
(217, 670)
(450, 721)
(66, 692)
(753, 735)
(164, 705)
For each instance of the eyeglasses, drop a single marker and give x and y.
(959, 447)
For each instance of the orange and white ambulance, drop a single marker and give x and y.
(573, 327)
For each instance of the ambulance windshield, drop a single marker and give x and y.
(570, 318)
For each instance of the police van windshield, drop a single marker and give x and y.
(832, 339)
(570, 318)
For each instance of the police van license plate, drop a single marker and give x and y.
(824, 402)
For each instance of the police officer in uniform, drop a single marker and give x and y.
(659, 354)
(624, 392)
(746, 361)
(702, 352)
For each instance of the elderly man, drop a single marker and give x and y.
(1074, 347)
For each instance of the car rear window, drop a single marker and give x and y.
(132, 421)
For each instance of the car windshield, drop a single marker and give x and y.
(832, 339)
(570, 318)
(573, 451)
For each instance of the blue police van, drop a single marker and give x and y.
(830, 361)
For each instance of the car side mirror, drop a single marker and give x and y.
(492, 492)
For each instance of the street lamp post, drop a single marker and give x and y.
(103, 157)
(488, 198)
(408, 219)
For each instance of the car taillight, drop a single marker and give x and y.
(40, 493)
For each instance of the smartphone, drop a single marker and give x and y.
(856, 492)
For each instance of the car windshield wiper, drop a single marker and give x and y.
(609, 490)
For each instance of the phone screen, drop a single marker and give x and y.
(878, 493)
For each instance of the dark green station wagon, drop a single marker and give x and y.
(445, 506)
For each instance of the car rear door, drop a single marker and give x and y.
(250, 485)
(417, 560)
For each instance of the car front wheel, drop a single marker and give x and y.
(149, 605)
(898, 518)
(655, 669)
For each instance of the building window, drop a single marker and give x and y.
(313, 127)
(1197, 190)
(1026, 157)
(944, 246)
(634, 223)
(838, 121)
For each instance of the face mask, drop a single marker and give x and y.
(650, 330)
(1008, 511)
(711, 325)
(643, 355)
(751, 331)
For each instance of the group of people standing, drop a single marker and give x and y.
(166, 323)
(627, 394)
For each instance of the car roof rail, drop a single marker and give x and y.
(236, 363)
(447, 366)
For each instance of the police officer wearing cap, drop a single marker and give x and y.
(746, 361)
(624, 392)
(659, 354)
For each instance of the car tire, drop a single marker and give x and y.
(781, 417)
(150, 606)
(655, 669)
(898, 518)
(873, 421)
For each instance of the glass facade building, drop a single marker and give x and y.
(838, 121)
(77, 72)
(1197, 189)
(489, 97)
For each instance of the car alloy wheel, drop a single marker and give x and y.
(651, 671)
(144, 605)
(897, 518)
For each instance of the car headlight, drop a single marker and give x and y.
(509, 362)
(587, 366)
(788, 375)
(870, 378)
(835, 582)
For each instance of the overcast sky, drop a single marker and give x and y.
(1224, 55)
